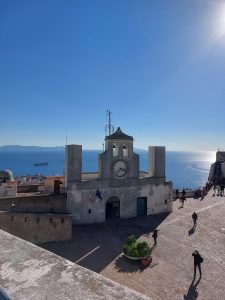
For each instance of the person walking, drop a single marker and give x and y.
(218, 190)
(155, 235)
(214, 190)
(183, 194)
(194, 218)
(197, 262)
(222, 189)
(183, 198)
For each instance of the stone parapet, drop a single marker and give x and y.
(108, 184)
(29, 272)
(42, 203)
(37, 228)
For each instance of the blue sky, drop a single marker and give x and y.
(158, 65)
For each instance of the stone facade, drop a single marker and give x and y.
(37, 228)
(8, 189)
(217, 169)
(37, 219)
(38, 203)
(119, 189)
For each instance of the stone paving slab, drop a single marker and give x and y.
(98, 247)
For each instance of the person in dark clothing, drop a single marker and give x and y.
(155, 235)
(194, 218)
(183, 193)
(222, 190)
(197, 262)
(177, 193)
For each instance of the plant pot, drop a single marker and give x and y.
(131, 257)
(146, 261)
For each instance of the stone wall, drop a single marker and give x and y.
(157, 191)
(28, 188)
(29, 272)
(37, 228)
(8, 189)
(39, 203)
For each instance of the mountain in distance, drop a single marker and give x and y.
(12, 148)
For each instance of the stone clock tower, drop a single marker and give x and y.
(118, 161)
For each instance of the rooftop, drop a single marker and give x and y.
(119, 134)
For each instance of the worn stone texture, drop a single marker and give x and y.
(98, 247)
(29, 272)
(37, 203)
(37, 228)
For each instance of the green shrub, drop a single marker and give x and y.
(136, 249)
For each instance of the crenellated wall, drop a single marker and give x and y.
(37, 228)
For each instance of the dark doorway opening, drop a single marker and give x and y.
(57, 186)
(112, 208)
(141, 206)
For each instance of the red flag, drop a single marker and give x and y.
(91, 199)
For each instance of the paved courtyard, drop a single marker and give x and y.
(170, 276)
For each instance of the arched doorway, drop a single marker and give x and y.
(112, 209)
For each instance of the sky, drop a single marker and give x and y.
(157, 65)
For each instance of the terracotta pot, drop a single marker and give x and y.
(146, 261)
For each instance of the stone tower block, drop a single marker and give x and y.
(156, 161)
(220, 156)
(73, 163)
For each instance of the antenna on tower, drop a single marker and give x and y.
(109, 128)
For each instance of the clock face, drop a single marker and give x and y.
(120, 168)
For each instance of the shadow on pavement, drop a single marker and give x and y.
(192, 230)
(192, 292)
(95, 246)
(3, 295)
(125, 265)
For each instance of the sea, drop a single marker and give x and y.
(184, 169)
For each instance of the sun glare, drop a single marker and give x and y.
(221, 21)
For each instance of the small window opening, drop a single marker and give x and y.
(166, 201)
(125, 151)
(115, 150)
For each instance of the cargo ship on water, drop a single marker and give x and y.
(37, 164)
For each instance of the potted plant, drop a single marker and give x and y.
(135, 250)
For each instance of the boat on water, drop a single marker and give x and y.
(37, 164)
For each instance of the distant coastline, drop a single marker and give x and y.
(189, 169)
(60, 148)
(29, 148)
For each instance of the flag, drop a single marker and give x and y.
(98, 194)
(91, 199)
